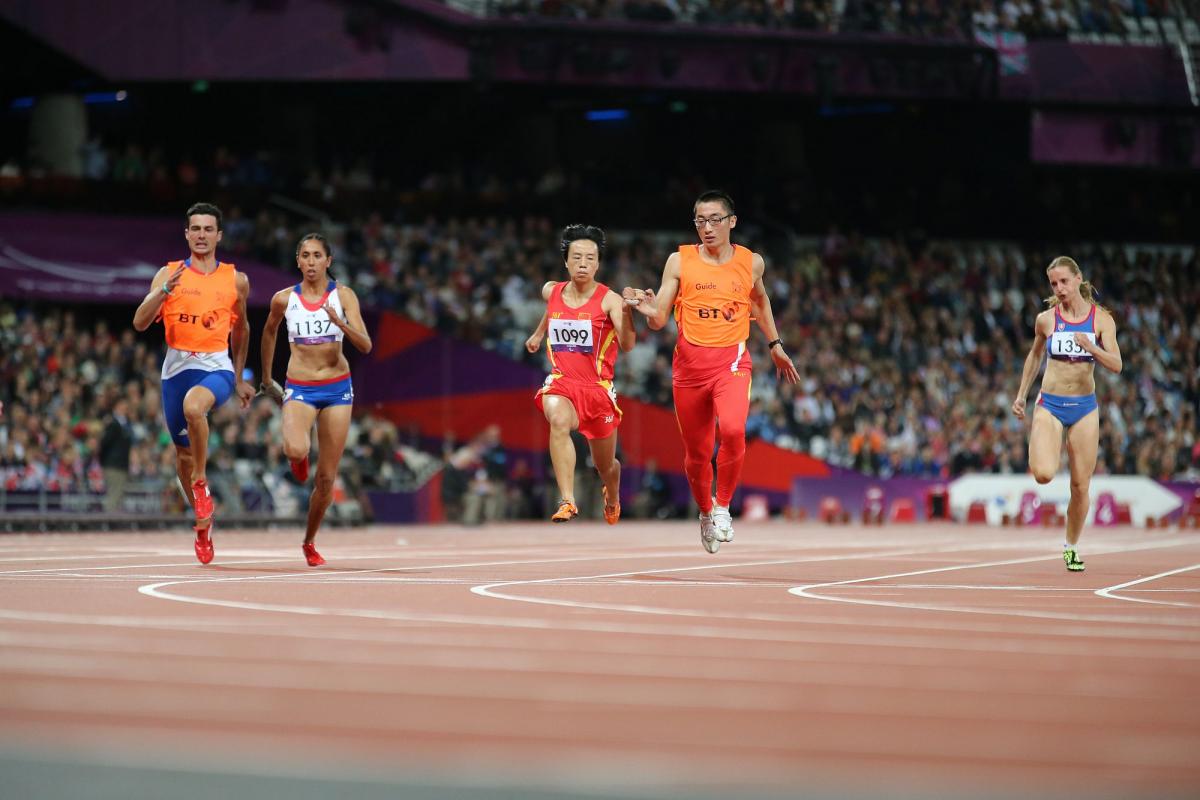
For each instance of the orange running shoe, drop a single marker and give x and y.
(204, 501)
(204, 545)
(612, 513)
(300, 469)
(310, 553)
(565, 512)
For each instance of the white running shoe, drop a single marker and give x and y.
(708, 534)
(723, 523)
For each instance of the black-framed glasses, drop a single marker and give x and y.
(700, 222)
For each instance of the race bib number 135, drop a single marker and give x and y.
(1062, 343)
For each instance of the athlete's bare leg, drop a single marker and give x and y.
(604, 456)
(298, 419)
(1045, 445)
(1083, 442)
(333, 424)
(183, 467)
(563, 419)
(196, 404)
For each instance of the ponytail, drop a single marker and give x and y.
(324, 246)
(1086, 290)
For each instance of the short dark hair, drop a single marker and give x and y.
(715, 196)
(204, 208)
(573, 233)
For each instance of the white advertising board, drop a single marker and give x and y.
(1002, 494)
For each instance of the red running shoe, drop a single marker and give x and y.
(300, 469)
(204, 501)
(311, 555)
(204, 545)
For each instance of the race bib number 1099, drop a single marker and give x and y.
(570, 335)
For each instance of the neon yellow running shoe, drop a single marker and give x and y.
(1072, 560)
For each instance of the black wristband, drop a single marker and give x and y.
(774, 342)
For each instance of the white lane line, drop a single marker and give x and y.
(785, 635)
(840, 636)
(903, 644)
(650, 692)
(410, 567)
(490, 590)
(807, 592)
(1109, 591)
(932, 674)
(145, 552)
(35, 680)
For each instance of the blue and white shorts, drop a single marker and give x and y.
(175, 388)
(321, 394)
(1068, 409)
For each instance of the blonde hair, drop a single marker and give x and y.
(1086, 290)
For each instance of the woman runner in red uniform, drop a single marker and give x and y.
(584, 325)
(715, 288)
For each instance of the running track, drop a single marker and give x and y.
(586, 661)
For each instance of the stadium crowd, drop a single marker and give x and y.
(81, 415)
(958, 19)
(909, 352)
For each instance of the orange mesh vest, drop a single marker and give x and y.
(712, 308)
(201, 310)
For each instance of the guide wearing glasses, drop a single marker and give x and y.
(714, 288)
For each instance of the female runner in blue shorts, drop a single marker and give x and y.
(319, 313)
(1079, 334)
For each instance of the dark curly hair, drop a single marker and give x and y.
(573, 233)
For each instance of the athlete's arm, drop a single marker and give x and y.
(760, 310)
(621, 314)
(354, 327)
(1033, 361)
(534, 342)
(658, 308)
(1107, 328)
(240, 339)
(267, 350)
(147, 311)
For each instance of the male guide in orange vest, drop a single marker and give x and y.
(714, 288)
(202, 304)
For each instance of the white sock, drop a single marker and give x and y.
(1069, 546)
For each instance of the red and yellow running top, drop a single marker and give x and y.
(581, 342)
(201, 311)
(712, 310)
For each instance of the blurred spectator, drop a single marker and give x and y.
(653, 498)
(114, 455)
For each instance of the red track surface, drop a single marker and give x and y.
(901, 659)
